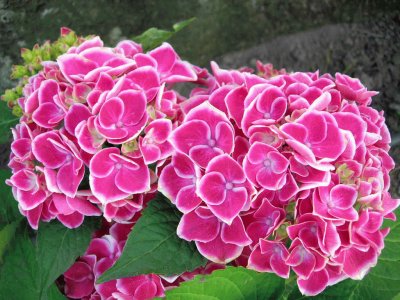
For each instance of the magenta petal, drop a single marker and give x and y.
(212, 188)
(48, 89)
(165, 56)
(258, 261)
(187, 199)
(218, 251)
(189, 134)
(69, 187)
(24, 180)
(302, 261)
(73, 64)
(192, 227)
(279, 266)
(296, 131)
(71, 221)
(48, 115)
(146, 291)
(228, 167)
(147, 78)
(170, 183)
(258, 230)
(61, 204)
(235, 233)
(133, 181)
(83, 206)
(202, 154)
(21, 147)
(134, 107)
(28, 200)
(33, 216)
(181, 71)
(314, 284)
(184, 166)
(101, 165)
(111, 113)
(224, 137)
(76, 114)
(235, 103)
(343, 196)
(316, 127)
(357, 263)
(45, 151)
(270, 180)
(105, 189)
(349, 214)
(234, 203)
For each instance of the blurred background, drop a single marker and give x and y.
(360, 38)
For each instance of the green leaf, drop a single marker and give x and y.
(153, 37)
(180, 25)
(53, 293)
(58, 247)
(382, 282)
(7, 120)
(31, 265)
(154, 247)
(6, 236)
(230, 283)
(8, 205)
(19, 275)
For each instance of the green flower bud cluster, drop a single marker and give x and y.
(32, 64)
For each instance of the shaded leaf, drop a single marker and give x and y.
(7, 121)
(53, 293)
(154, 247)
(32, 265)
(8, 205)
(58, 247)
(19, 275)
(6, 235)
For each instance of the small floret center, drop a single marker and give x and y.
(229, 185)
(267, 163)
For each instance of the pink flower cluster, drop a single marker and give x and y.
(281, 173)
(276, 171)
(79, 281)
(93, 122)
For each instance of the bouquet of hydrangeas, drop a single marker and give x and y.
(277, 172)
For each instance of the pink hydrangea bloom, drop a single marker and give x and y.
(224, 188)
(205, 133)
(61, 160)
(265, 166)
(274, 171)
(77, 112)
(114, 177)
(216, 240)
(270, 256)
(315, 159)
(178, 182)
(122, 117)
